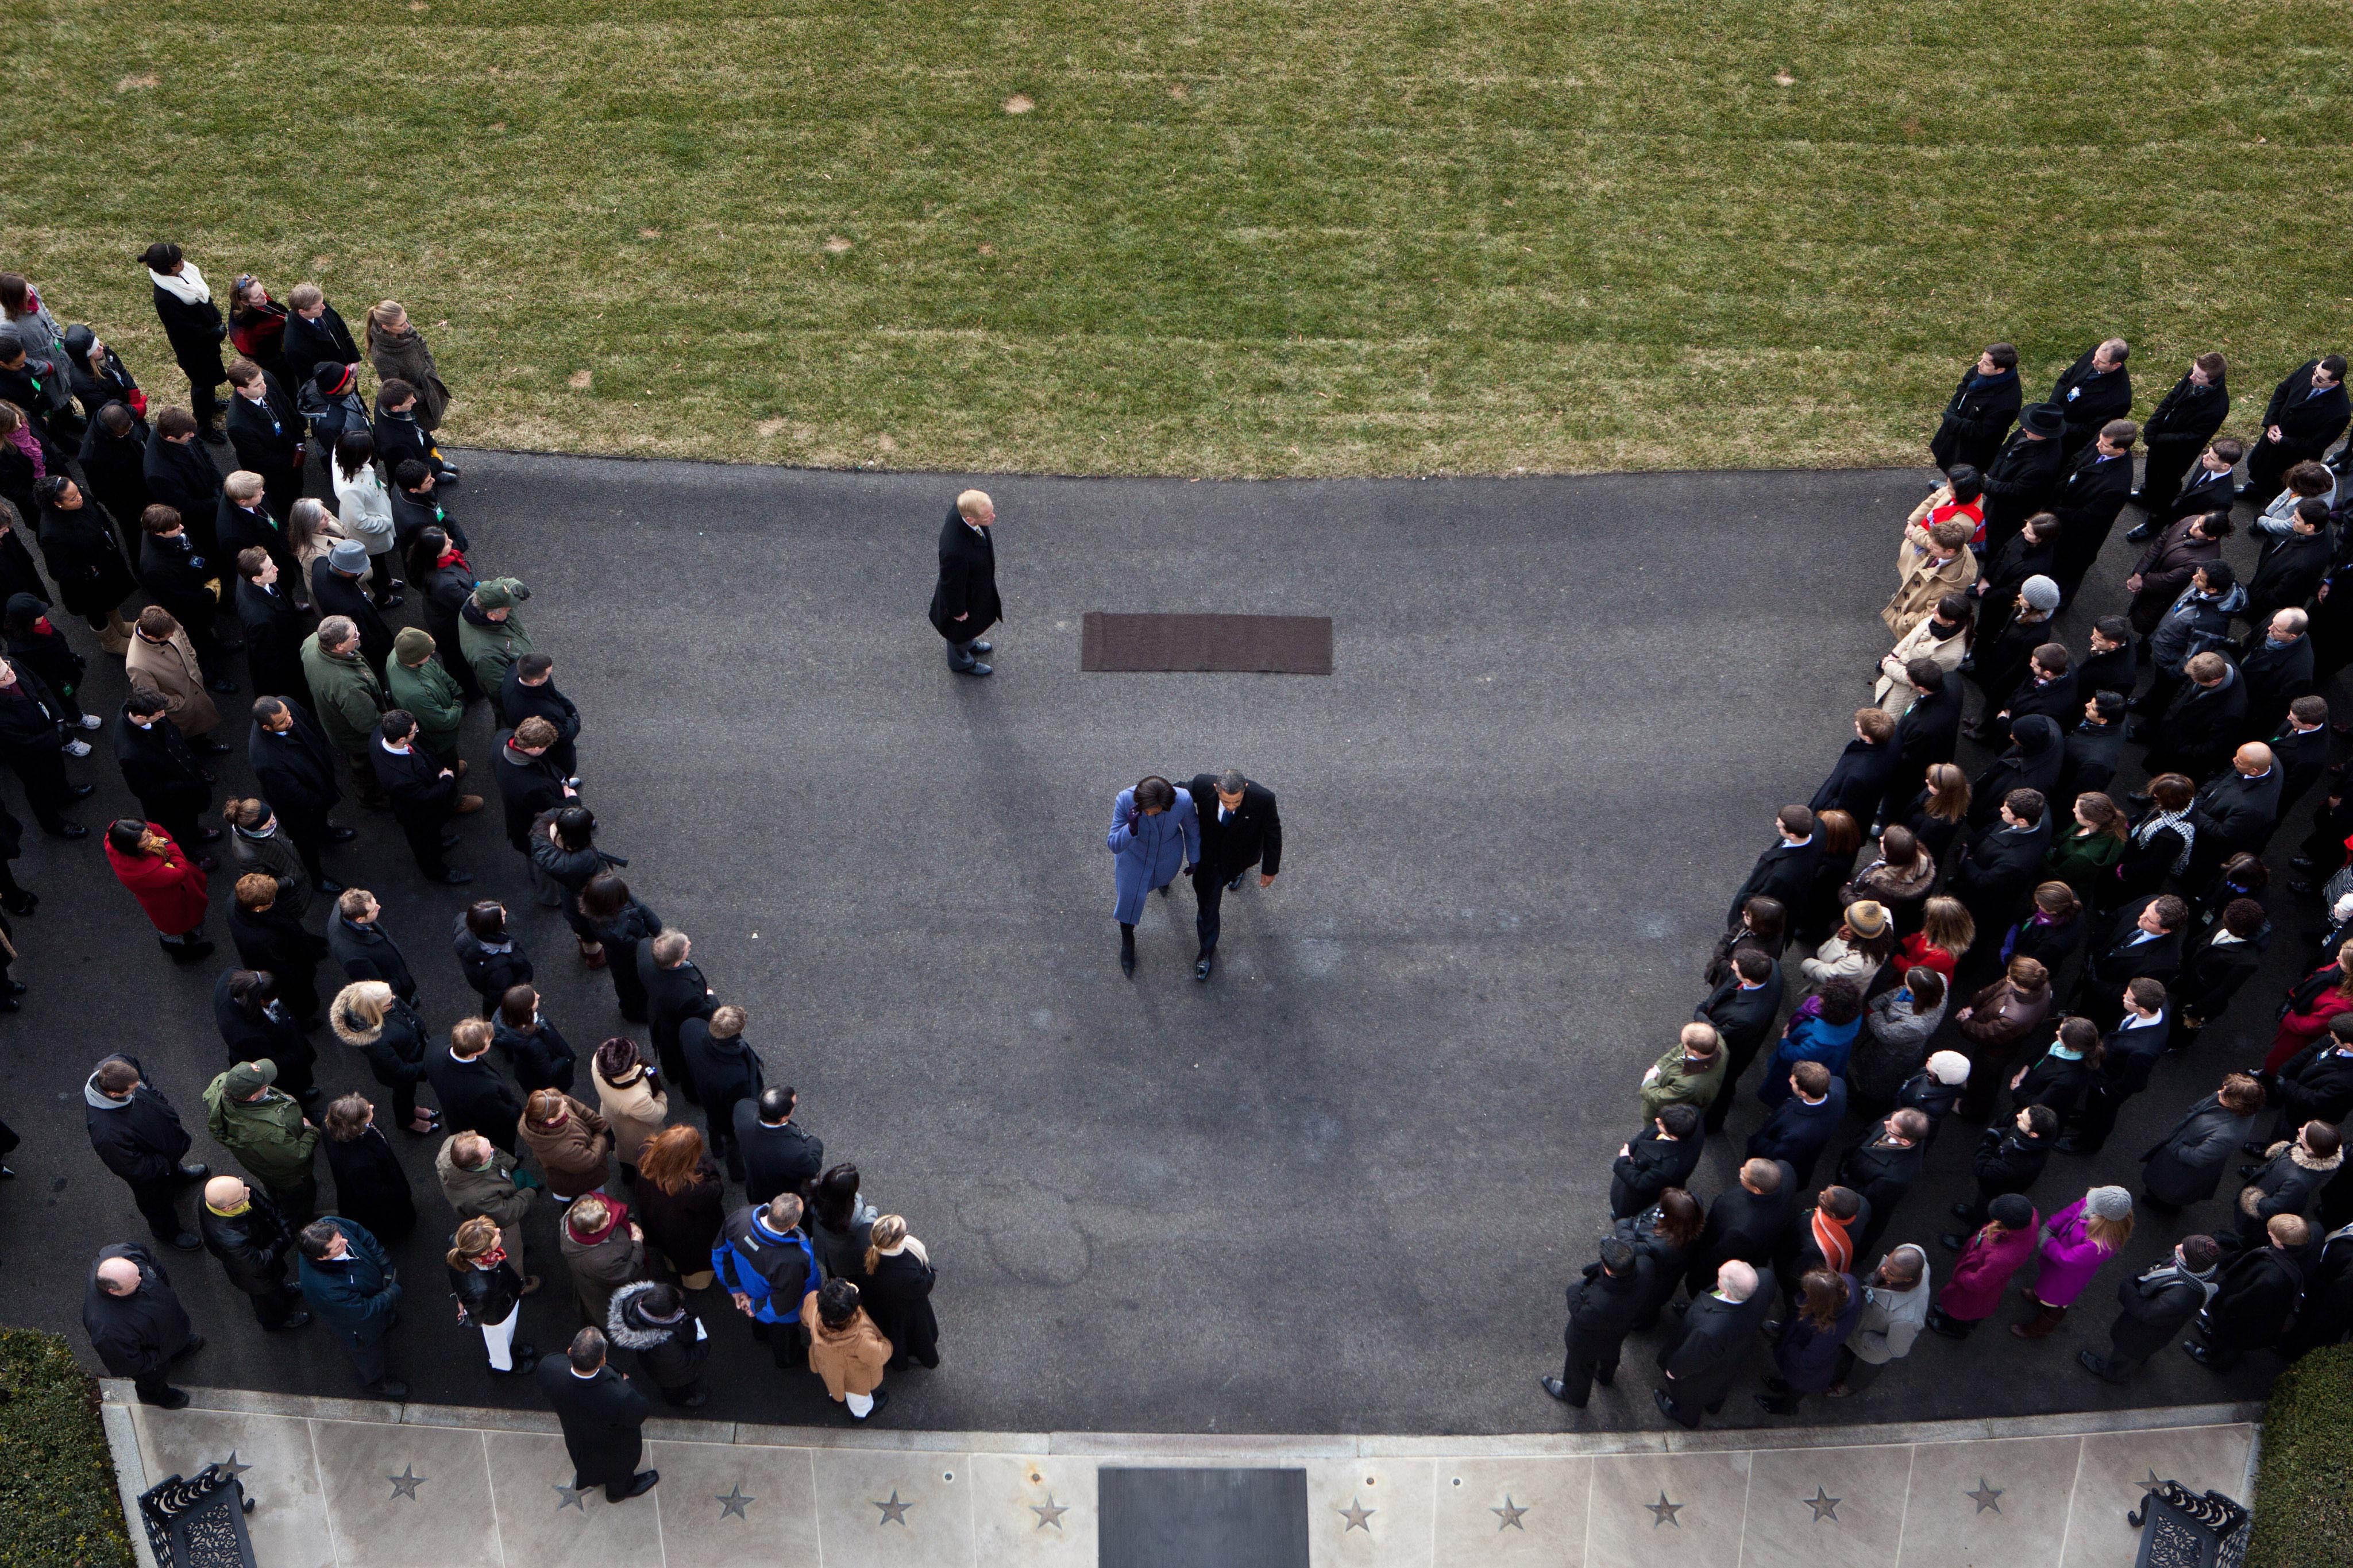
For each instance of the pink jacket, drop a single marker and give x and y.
(1986, 1263)
(2070, 1258)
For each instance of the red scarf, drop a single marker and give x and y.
(450, 557)
(617, 1214)
(1971, 511)
(492, 1259)
(1838, 1247)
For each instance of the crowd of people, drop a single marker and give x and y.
(2017, 948)
(299, 562)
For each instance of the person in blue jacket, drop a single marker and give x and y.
(1154, 834)
(349, 1282)
(765, 1264)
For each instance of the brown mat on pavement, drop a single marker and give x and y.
(1272, 645)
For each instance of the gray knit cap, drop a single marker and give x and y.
(2110, 1204)
(2040, 592)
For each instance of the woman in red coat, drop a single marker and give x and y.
(167, 884)
(2318, 997)
(1985, 1264)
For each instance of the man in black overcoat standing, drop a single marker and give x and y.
(296, 770)
(172, 787)
(136, 1323)
(2308, 412)
(425, 795)
(965, 605)
(2184, 420)
(1744, 1007)
(267, 433)
(275, 626)
(2158, 1303)
(137, 1135)
(1601, 1310)
(1661, 1156)
(1786, 871)
(675, 992)
(1746, 1221)
(1241, 830)
(1979, 413)
(2094, 390)
(2090, 494)
(1707, 1348)
(2022, 475)
(603, 1418)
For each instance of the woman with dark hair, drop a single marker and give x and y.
(168, 885)
(1154, 834)
(1823, 1029)
(440, 570)
(1937, 813)
(563, 850)
(2065, 1073)
(35, 645)
(619, 922)
(630, 1097)
(257, 327)
(1806, 1360)
(1840, 836)
(184, 303)
(2086, 856)
(898, 1294)
(681, 1202)
(256, 1024)
(83, 552)
(370, 1186)
(1764, 926)
(491, 955)
(1896, 1028)
(1899, 878)
(2158, 846)
(846, 1349)
(368, 1017)
(363, 510)
(2054, 928)
(1667, 1230)
(2242, 875)
(841, 1223)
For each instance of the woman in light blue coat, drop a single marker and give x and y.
(1154, 834)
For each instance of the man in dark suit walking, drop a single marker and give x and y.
(965, 605)
(1244, 830)
(603, 1417)
(2308, 412)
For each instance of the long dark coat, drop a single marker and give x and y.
(967, 584)
(84, 556)
(2185, 1166)
(1977, 417)
(898, 1297)
(370, 1186)
(603, 1419)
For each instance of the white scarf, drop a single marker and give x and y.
(188, 285)
(909, 1244)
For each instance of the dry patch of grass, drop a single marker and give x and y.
(1223, 238)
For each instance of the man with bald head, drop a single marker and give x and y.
(965, 605)
(1705, 1353)
(247, 1232)
(2235, 811)
(2276, 662)
(136, 1323)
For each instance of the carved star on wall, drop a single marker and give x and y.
(1509, 1515)
(1987, 1496)
(1824, 1505)
(232, 1469)
(570, 1497)
(733, 1501)
(894, 1511)
(1049, 1513)
(1357, 1513)
(1664, 1512)
(405, 1484)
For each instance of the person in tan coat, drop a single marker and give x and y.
(1929, 566)
(478, 1178)
(603, 1250)
(630, 1097)
(572, 1144)
(845, 1347)
(162, 657)
(1941, 638)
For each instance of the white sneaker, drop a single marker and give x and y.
(92, 720)
(76, 747)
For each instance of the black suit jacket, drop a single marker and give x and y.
(267, 436)
(2092, 753)
(2206, 492)
(1649, 1166)
(275, 626)
(1857, 780)
(2307, 424)
(180, 475)
(295, 768)
(2087, 401)
(967, 584)
(419, 793)
(158, 767)
(474, 1097)
(309, 345)
(1254, 837)
(2187, 416)
(2119, 958)
(1786, 872)
(602, 1419)
(1743, 1017)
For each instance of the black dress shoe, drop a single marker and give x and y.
(1953, 1243)
(1963, 1211)
(1559, 1390)
(193, 1172)
(2147, 530)
(390, 602)
(209, 835)
(2303, 862)
(1127, 962)
(294, 1319)
(1202, 965)
(452, 877)
(645, 1481)
(23, 903)
(69, 830)
(188, 1241)
(212, 748)
(338, 834)
(2247, 1173)
(1164, 889)
(2298, 884)
(980, 645)
(976, 668)
(213, 438)
(80, 792)
(327, 885)
(1666, 1406)
(390, 1388)
(2251, 1147)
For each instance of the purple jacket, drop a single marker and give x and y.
(1986, 1263)
(2070, 1258)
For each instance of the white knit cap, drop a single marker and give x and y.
(1949, 1067)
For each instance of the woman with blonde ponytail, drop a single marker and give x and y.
(488, 1293)
(898, 1293)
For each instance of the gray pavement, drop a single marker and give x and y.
(1337, 1189)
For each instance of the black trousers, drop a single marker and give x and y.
(308, 832)
(159, 1201)
(2161, 478)
(1208, 892)
(367, 1358)
(180, 821)
(43, 774)
(1735, 1062)
(272, 1308)
(423, 831)
(204, 373)
(154, 1388)
(1591, 1357)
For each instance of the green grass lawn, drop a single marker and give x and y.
(1322, 237)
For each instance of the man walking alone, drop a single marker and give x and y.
(965, 605)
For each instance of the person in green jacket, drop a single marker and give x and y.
(417, 682)
(490, 634)
(348, 697)
(1691, 1073)
(265, 1129)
